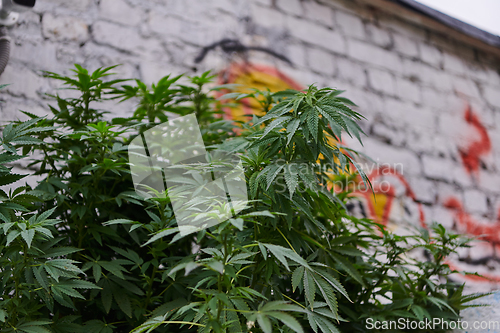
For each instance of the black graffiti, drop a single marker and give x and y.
(234, 45)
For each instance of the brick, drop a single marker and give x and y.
(475, 201)
(120, 11)
(321, 62)
(443, 216)
(412, 69)
(374, 55)
(447, 191)
(371, 105)
(123, 38)
(21, 81)
(405, 45)
(431, 55)
(402, 160)
(264, 2)
(64, 28)
(490, 181)
(80, 5)
(379, 36)
(153, 71)
(435, 100)
(395, 113)
(437, 168)
(351, 25)
(461, 177)
(10, 111)
(46, 55)
(351, 71)
(297, 54)
(424, 190)
(481, 250)
(453, 127)
(404, 27)
(407, 90)
(319, 13)
(317, 35)
(268, 17)
(293, 7)
(389, 135)
(421, 119)
(492, 96)
(453, 64)
(431, 77)
(382, 81)
(420, 142)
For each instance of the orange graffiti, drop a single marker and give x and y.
(249, 77)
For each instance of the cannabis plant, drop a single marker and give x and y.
(83, 252)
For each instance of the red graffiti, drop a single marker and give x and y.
(472, 154)
(389, 192)
(487, 232)
(483, 278)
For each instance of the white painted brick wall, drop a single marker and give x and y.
(317, 35)
(120, 11)
(405, 45)
(321, 62)
(382, 81)
(412, 85)
(351, 25)
(476, 201)
(319, 13)
(64, 28)
(375, 55)
(431, 55)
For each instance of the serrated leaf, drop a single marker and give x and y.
(309, 287)
(291, 129)
(288, 320)
(291, 178)
(312, 124)
(264, 323)
(297, 276)
(28, 235)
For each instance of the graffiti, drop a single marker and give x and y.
(487, 234)
(393, 202)
(234, 45)
(249, 77)
(394, 188)
(471, 156)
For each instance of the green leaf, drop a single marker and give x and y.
(297, 276)
(309, 287)
(275, 123)
(264, 323)
(122, 300)
(312, 124)
(161, 234)
(291, 178)
(12, 236)
(328, 294)
(28, 235)
(291, 129)
(9, 179)
(273, 172)
(288, 320)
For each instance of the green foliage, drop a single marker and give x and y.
(82, 252)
